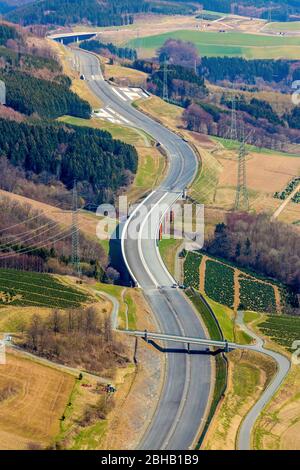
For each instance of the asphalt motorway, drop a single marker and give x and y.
(185, 396)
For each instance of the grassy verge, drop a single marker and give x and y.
(126, 134)
(229, 144)
(278, 427)
(226, 319)
(206, 182)
(249, 373)
(215, 332)
(168, 249)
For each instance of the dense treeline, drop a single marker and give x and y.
(6, 33)
(11, 59)
(104, 13)
(101, 164)
(102, 47)
(63, 12)
(234, 69)
(256, 108)
(120, 12)
(262, 125)
(253, 241)
(48, 99)
(281, 10)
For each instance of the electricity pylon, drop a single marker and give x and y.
(242, 196)
(75, 232)
(233, 128)
(165, 79)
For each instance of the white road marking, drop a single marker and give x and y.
(119, 94)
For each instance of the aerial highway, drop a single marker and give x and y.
(185, 397)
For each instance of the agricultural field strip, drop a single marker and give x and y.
(44, 287)
(219, 282)
(283, 330)
(191, 269)
(28, 303)
(39, 294)
(255, 296)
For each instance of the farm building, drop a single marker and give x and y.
(2, 93)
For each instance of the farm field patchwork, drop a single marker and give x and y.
(226, 44)
(249, 290)
(21, 288)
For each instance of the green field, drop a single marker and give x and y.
(286, 26)
(227, 44)
(21, 288)
(129, 135)
(229, 144)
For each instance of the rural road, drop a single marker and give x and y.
(286, 202)
(186, 392)
(283, 365)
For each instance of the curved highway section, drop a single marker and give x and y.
(185, 396)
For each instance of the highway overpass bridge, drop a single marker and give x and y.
(147, 335)
(68, 38)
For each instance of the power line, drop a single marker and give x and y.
(24, 221)
(38, 246)
(165, 81)
(16, 240)
(233, 126)
(75, 232)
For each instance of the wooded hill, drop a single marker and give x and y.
(90, 156)
(46, 152)
(47, 99)
(103, 48)
(104, 13)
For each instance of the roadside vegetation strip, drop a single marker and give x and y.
(221, 362)
(168, 248)
(219, 282)
(191, 269)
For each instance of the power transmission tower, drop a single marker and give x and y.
(165, 85)
(138, 42)
(270, 14)
(75, 232)
(233, 128)
(242, 196)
